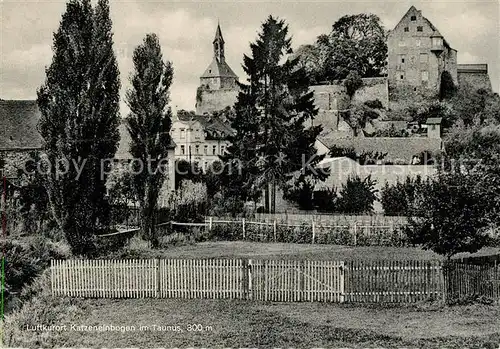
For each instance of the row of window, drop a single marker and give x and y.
(424, 75)
(418, 43)
(424, 58)
(205, 150)
(419, 29)
(183, 133)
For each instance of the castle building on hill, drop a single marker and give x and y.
(218, 84)
(418, 55)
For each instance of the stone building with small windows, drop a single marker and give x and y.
(418, 56)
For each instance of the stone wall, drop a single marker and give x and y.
(334, 96)
(208, 101)
(475, 80)
(373, 88)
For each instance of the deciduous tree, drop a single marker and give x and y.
(149, 124)
(79, 103)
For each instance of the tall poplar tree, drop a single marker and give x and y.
(79, 103)
(149, 126)
(271, 140)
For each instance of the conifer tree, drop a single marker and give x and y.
(79, 103)
(149, 126)
(271, 140)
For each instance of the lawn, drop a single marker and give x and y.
(246, 324)
(243, 249)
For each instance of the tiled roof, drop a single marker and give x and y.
(214, 127)
(18, 125)
(472, 68)
(18, 128)
(399, 149)
(218, 69)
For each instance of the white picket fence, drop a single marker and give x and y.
(267, 280)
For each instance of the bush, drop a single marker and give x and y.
(325, 200)
(357, 195)
(336, 236)
(396, 198)
(374, 104)
(24, 262)
(301, 194)
(40, 308)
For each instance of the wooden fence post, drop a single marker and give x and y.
(244, 232)
(248, 274)
(158, 275)
(313, 230)
(355, 233)
(444, 280)
(210, 224)
(274, 229)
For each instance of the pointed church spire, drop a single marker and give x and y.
(219, 44)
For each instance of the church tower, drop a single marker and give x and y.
(219, 45)
(218, 84)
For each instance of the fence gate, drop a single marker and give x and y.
(293, 281)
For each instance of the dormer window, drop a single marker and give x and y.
(413, 18)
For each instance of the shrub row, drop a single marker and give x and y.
(298, 234)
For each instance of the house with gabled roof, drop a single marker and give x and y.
(200, 138)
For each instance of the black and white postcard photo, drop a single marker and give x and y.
(258, 174)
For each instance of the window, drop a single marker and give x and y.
(183, 150)
(420, 28)
(222, 149)
(402, 58)
(413, 18)
(424, 58)
(425, 76)
(401, 76)
(197, 149)
(197, 134)
(407, 29)
(214, 149)
(437, 41)
(205, 150)
(183, 133)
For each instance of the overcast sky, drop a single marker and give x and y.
(186, 30)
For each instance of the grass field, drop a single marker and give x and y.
(241, 249)
(240, 324)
